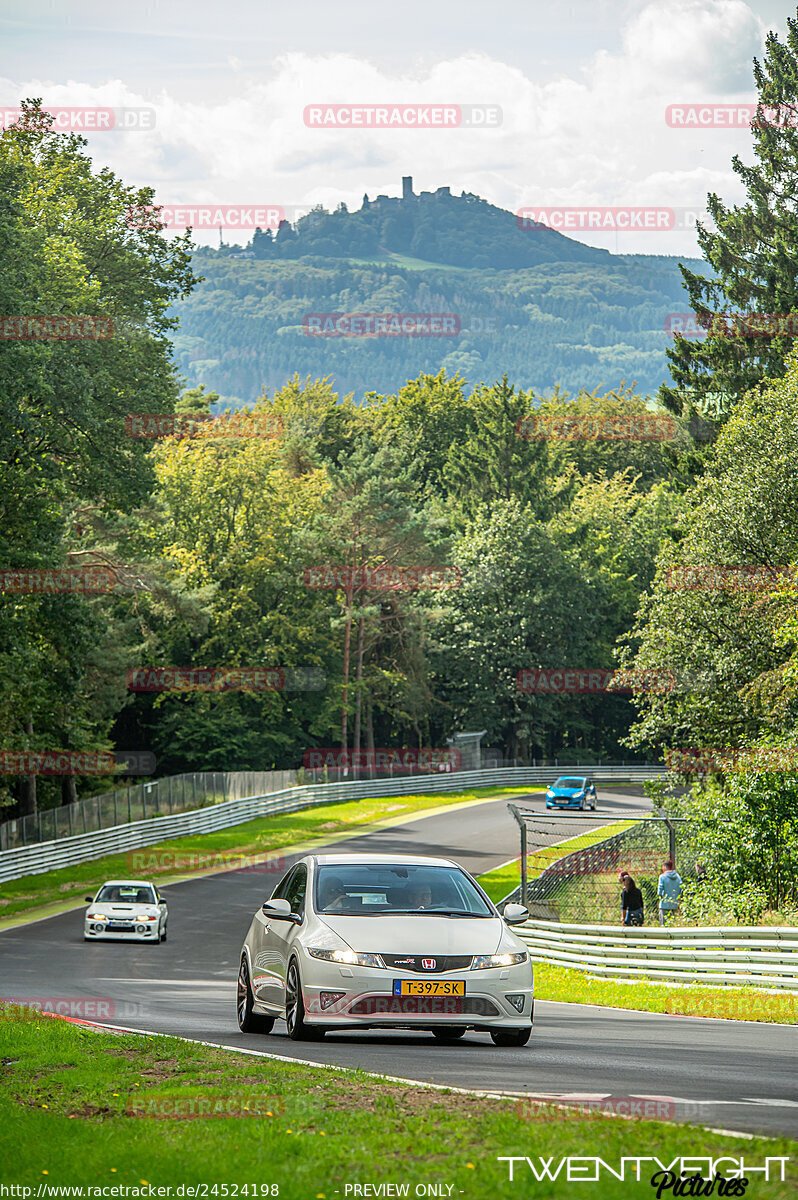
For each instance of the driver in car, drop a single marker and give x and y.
(334, 896)
(420, 896)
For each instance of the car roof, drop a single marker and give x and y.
(127, 883)
(382, 860)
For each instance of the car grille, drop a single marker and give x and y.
(437, 1006)
(413, 962)
(119, 928)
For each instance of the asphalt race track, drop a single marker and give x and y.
(724, 1074)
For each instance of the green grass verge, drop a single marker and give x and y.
(733, 1003)
(263, 836)
(70, 1098)
(499, 882)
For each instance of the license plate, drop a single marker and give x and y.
(119, 928)
(429, 987)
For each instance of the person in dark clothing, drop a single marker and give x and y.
(631, 901)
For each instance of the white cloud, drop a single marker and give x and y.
(596, 136)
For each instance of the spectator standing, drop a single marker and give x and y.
(631, 901)
(669, 889)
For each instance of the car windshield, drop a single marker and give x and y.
(569, 783)
(367, 890)
(125, 893)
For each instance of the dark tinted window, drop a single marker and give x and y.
(362, 889)
(297, 887)
(124, 893)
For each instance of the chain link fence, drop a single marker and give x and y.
(160, 798)
(574, 878)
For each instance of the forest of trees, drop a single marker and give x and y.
(564, 547)
(570, 324)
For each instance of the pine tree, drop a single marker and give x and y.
(753, 253)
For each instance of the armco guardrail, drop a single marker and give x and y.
(762, 956)
(49, 856)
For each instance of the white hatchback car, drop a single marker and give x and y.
(355, 941)
(128, 909)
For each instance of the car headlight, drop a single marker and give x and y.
(481, 962)
(144, 917)
(347, 958)
(96, 917)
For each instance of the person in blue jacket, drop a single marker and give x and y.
(669, 889)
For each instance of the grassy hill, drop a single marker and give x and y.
(530, 302)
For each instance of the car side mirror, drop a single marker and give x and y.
(280, 910)
(162, 901)
(515, 914)
(88, 899)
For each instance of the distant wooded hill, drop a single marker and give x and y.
(538, 306)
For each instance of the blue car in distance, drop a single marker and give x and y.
(571, 792)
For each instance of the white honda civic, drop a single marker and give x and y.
(128, 909)
(354, 941)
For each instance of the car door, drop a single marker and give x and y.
(269, 940)
(282, 934)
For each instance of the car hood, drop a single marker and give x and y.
(418, 934)
(123, 910)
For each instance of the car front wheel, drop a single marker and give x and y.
(298, 1030)
(511, 1037)
(249, 1021)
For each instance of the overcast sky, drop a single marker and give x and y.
(583, 90)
